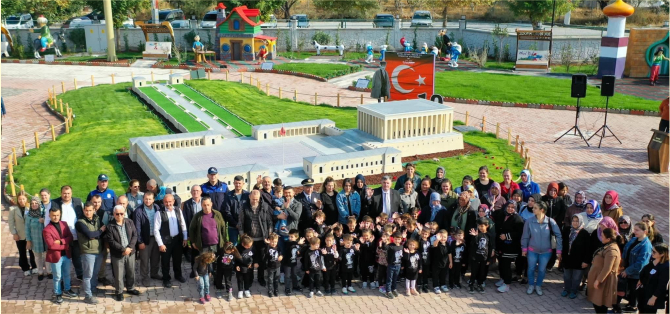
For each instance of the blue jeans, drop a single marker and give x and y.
(533, 260)
(203, 285)
(233, 235)
(392, 272)
(61, 271)
(571, 279)
(91, 265)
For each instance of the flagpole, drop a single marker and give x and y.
(282, 146)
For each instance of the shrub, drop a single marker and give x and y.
(19, 50)
(126, 46)
(322, 38)
(78, 37)
(567, 55)
(29, 42)
(190, 37)
(141, 45)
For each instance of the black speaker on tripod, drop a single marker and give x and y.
(577, 90)
(607, 90)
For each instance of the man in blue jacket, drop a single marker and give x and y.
(108, 196)
(215, 189)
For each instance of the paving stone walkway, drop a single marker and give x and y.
(622, 167)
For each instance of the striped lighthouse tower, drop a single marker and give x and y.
(614, 46)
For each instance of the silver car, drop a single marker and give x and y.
(209, 20)
(422, 18)
(19, 21)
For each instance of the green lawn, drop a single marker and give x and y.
(255, 107)
(586, 69)
(223, 114)
(348, 55)
(324, 70)
(528, 89)
(86, 58)
(106, 117)
(172, 109)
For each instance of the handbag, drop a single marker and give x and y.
(552, 236)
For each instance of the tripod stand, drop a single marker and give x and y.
(576, 127)
(605, 128)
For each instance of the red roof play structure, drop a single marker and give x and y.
(244, 13)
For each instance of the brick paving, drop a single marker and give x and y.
(621, 167)
(640, 87)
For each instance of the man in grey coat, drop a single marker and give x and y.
(381, 83)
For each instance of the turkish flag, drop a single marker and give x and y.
(282, 132)
(411, 74)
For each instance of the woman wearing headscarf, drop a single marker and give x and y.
(526, 211)
(447, 196)
(509, 228)
(611, 205)
(591, 216)
(440, 176)
(597, 234)
(517, 196)
(579, 206)
(494, 200)
(434, 211)
(575, 243)
(474, 200)
(461, 217)
(626, 228)
(34, 239)
(508, 186)
(527, 185)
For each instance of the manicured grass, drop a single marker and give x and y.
(493, 65)
(586, 69)
(119, 55)
(106, 117)
(348, 55)
(223, 114)
(528, 89)
(172, 109)
(319, 69)
(257, 108)
(498, 154)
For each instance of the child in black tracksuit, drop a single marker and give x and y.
(456, 258)
(440, 261)
(481, 249)
(309, 234)
(315, 265)
(272, 261)
(290, 261)
(347, 257)
(330, 256)
(244, 266)
(224, 269)
(412, 264)
(425, 246)
(382, 262)
(366, 259)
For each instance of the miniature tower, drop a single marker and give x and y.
(614, 46)
(220, 17)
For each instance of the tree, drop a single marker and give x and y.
(540, 10)
(286, 8)
(120, 11)
(347, 9)
(442, 6)
(266, 7)
(53, 10)
(197, 8)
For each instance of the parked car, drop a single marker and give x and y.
(19, 21)
(209, 20)
(168, 15)
(303, 21)
(422, 18)
(181, 24)
(383, 20)
(80, 21)
(270, 23)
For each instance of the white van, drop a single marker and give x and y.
(422, 18)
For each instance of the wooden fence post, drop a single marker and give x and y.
(53, 132)
(170, 71)
(516, 144)
(267, 89)
(279, 92)
(226, 75)
(509, 136)
(92, 81)
(75, 83)
(521, 150)
(361, 99)
(498, 130)
(113, 79)
(258, 84)
(61, 105)
(484, 124)
(295, 95)
(152, 77)
(315, 98)
(250, 78)
(21, 188)
(338, 99)
(23, 145)
(11, 183)
(16, 162)
(37, 141)
(526, 155)
(209, 75)
(67, 125)
(62, 86)
(467, 118)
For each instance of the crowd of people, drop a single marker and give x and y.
(423, 231)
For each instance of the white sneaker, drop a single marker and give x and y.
(530, 290)
(26, 273)
(351, 289)
(504, 288)
(499, 283)
(437, 290)
(344, 290)
(538, 289)
(365, 285)
(240, 295)
(445, 288)
(374, 285)
(281, 278)
(34, 271)
(247, 294)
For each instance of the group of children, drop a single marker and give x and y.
(380, 252)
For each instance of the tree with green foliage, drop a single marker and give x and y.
(193, 7)
(53, 10)
(443, 6)
(266, 7)
(540, 10)
(347, 9)
(286, 7)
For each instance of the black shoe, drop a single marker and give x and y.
(50, 276)
(192, 275)
(515, 279)
(424, 289)
(118, 297)
(40, 277)
(629, 309)
(262, 283)
(133, 292)
(276, 292)
(298, 289)
(472, 289)
(104, 281)
(523, 281)
(582, 286)
(167, 284)
(70, 294)
(157, 277)
(59, 299)
(288, 293)
(270, 294)
(480, 289)
(181, 279)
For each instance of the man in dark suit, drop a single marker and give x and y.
(383, 200)
(308, 200)
(72, 210)
(236, 199)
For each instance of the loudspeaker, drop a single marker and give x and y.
(607, 88)
(578, 86)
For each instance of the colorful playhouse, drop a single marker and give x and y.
(239, 35)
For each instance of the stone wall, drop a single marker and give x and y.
(638, 42)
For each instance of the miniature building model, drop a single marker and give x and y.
(176, 79)
(293, 151)
(139, 81)
(239, 35)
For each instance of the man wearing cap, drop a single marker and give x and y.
(215, 189)
(308, 200)
(171, 234)
(108, 196)
(255, 220)
(236, 199)
(105, 217)
(72, 210)
(146, 241)
(189, 208)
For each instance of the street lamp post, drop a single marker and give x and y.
(553, 14)
(109, 25)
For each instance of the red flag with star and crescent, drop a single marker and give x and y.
(411, 74)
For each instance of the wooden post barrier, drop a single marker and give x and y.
(250, 78)
(526, 155)
(62, 86)
(53, 132)
(61, 106)
(338, 99)
(16, 162)
(484, 124)
(170, 71)
(67, 125)
(113, 79)
(361, 99)
(280, 92)
(509, 136)
(67, 110)
(152, 77)
(467, 118)
(21, 188)
(267, 89)
(11, 183)
(53, 88)
(528, 165)
(315, 98)
(516, 145)
(92, 81)
(10, 166)
(37, 141)
(295, 95)
(226, 75)
(258, 84)
(498, 130)
(521, 150)
(75, 83)
(23, 146)
(209, 75)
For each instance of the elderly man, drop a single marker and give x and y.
(236, 199)
(189, 208)
(108, 196)
(264, 185)
(308, 200)
(122, 238)
(383, 200)
(256, 221)
(215, 189)
(123, 201)
(208, 231)
(171, 234)
(89, 231)
(57, 238)
(71, 211)
(147, 246)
